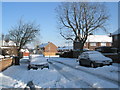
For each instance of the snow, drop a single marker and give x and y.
(99, 38)
(5, 47)
(110, 53)
(94, 81)
(24, 50)
(19, 76)
(60, 77)
(7, 56)
(39, 60)
(66, 48)
(1, 56)
(10, 43)
(35, 55)
(43, 45)
(99, 57)
(52, 56)
(92, 52)
(106, 71)
(95, 55)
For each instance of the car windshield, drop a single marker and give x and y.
(96, 56)
(38, 60)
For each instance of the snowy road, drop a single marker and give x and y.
(71, 77)
(61, 66)
(63, 73)
(88, 72)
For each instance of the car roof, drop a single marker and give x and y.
(104, 47)
(92, 52)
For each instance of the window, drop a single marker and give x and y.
(103, 44)
(92, 44)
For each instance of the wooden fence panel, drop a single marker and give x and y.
(4, 63)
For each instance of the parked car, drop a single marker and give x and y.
(106, 49)
(94, 59)
(38, 62)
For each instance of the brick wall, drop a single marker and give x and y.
(49, 53)
(26, 53)
(10, 50)
(4, 63)
(98, 44)
(50, 48)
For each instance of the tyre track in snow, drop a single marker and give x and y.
(71, 77)
(95, 74)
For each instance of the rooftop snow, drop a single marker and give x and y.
(10, 43)
(99, 38)
(65, 48)
(92, 52)
(43, 45)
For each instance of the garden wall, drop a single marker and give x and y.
(4, 63)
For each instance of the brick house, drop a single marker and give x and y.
(94, 41)
(8, 48)
(48, 49)
(25, 52)
(116, 39)
(65, 49)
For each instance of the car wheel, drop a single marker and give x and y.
(80, 63)
(92, 65)
(110, 63)
(29, 67)
(36, 68)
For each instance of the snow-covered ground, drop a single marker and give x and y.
(110, 71)
(19, 76)
(63, 73)
(101, 77)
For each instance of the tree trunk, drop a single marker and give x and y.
(18, 57)
(78, 49)
(78, 45)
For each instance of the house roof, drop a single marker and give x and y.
(66, 48)
(43, 45)
(10, 43)
(99, 38)
(24, 50)
(116, 32)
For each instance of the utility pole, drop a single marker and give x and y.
(49, 49)
(2, 39)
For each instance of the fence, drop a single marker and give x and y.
(4, 63)
(49, 53)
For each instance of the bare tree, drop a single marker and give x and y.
(23, 33)
(79, 19)
(36, 42)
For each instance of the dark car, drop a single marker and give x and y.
(93, 59)
(106, 49)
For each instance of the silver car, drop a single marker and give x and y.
(38, 62)
(94, 59)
